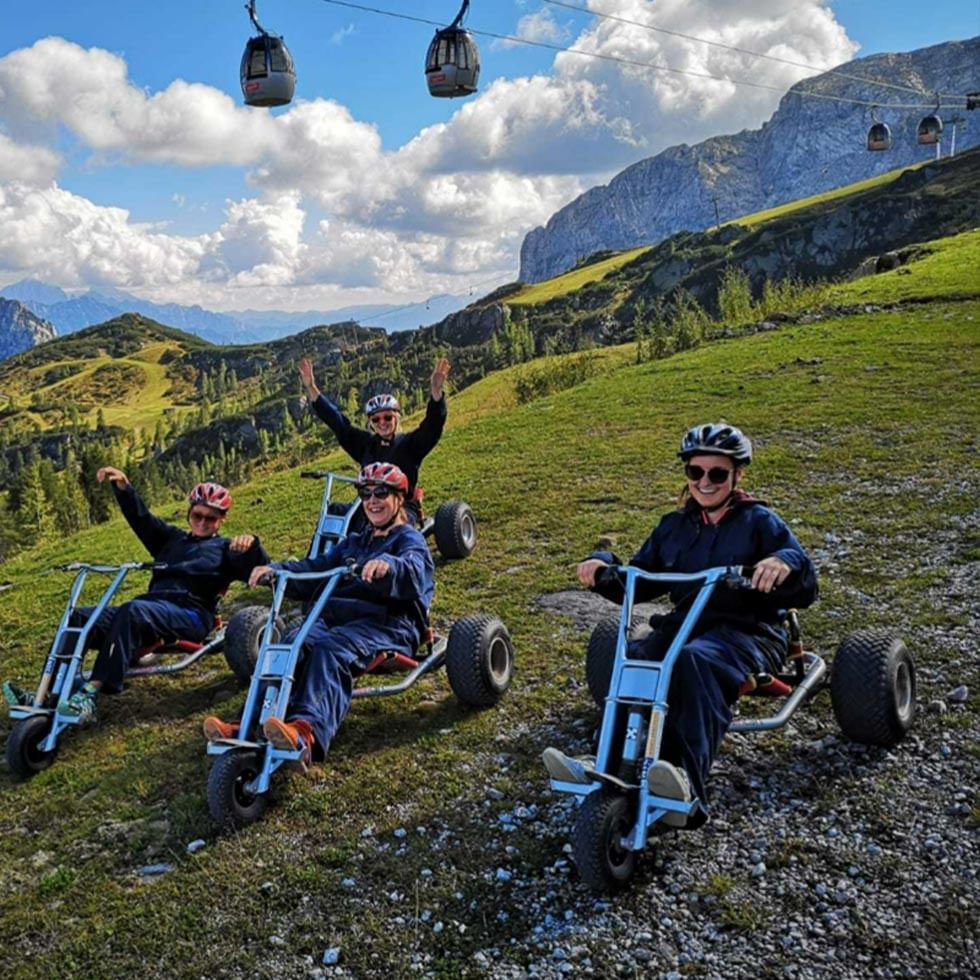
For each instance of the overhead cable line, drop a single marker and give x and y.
(738, 50)
(646, 65)
(425, 302)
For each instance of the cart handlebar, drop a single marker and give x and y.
(105, 569)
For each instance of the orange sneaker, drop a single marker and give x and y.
(215, 729)
(284, 735)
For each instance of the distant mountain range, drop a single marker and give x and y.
(70, 313)
(809, 146)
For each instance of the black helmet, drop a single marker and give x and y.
(717, 438)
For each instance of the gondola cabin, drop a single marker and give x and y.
(268, 74)
(879, 137)
(452, 64)
(930, 129)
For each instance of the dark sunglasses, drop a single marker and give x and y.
(717, 474)
(204, 517)
(383, 417)
(365, 493)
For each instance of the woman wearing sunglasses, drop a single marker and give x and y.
(739, 633)
(198, 565)
(384, 441)
(384, 607)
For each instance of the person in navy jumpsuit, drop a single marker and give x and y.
(739, 633)
(383, 442)
(384, 607)
(197, 566)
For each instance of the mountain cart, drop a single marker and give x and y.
(453, 528)
(478, 656)
(33, 741)
(872, 689)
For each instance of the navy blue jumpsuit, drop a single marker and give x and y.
(359, 620)
(406, 450)
(181, 602)
(739, 633)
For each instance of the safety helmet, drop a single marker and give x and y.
(382, 403)
(383, 474)
(211, 495)
(717, 438)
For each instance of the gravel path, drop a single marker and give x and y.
(822, 858)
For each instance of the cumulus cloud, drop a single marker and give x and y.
(58, 83)
(34, 165)
(68, 240)
(333, 209)
(540, 26)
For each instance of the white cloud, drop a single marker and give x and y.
(70, 241)
(540, 26)
(34, 165)
(56, 82)
(338, 37)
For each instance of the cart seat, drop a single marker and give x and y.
(149, 655)
(393, 662)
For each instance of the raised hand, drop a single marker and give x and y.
(113, 475)
(439, 376)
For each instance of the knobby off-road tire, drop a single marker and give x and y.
(602, 821)
(872, 687)
(231, 805)
(455, 529)
(25, 756)
(479, 660)
(599, 659)
(601, 655)
(243, 637)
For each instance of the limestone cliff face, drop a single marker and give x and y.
(20, 329)
(810, 145)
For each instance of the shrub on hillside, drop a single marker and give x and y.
(549, 376)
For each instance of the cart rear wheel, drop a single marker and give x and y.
(230, 803)
(243, 637)
(25, 757)
(479, 660)
(455, 529)
(604, 863)
(872, 687)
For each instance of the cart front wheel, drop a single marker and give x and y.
(25, 757)
(243, 637)
(230, 802)
(872, 687)
(603, 862)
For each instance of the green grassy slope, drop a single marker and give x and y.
(948, 267)
(852, 441)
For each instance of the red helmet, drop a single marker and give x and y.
(382, 403)
(211, 495)
(383, 474)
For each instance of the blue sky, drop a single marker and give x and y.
(365, 189)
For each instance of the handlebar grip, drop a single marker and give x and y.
(267, 579)
(312, 475)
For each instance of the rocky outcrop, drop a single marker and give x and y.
(20, 330)
(810, 145)
(474, 325)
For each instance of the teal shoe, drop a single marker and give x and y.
(81, 705)
(15, 697)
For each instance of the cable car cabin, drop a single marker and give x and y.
(452, 65)
(930, 129)
(268, 73)
(879, 137)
